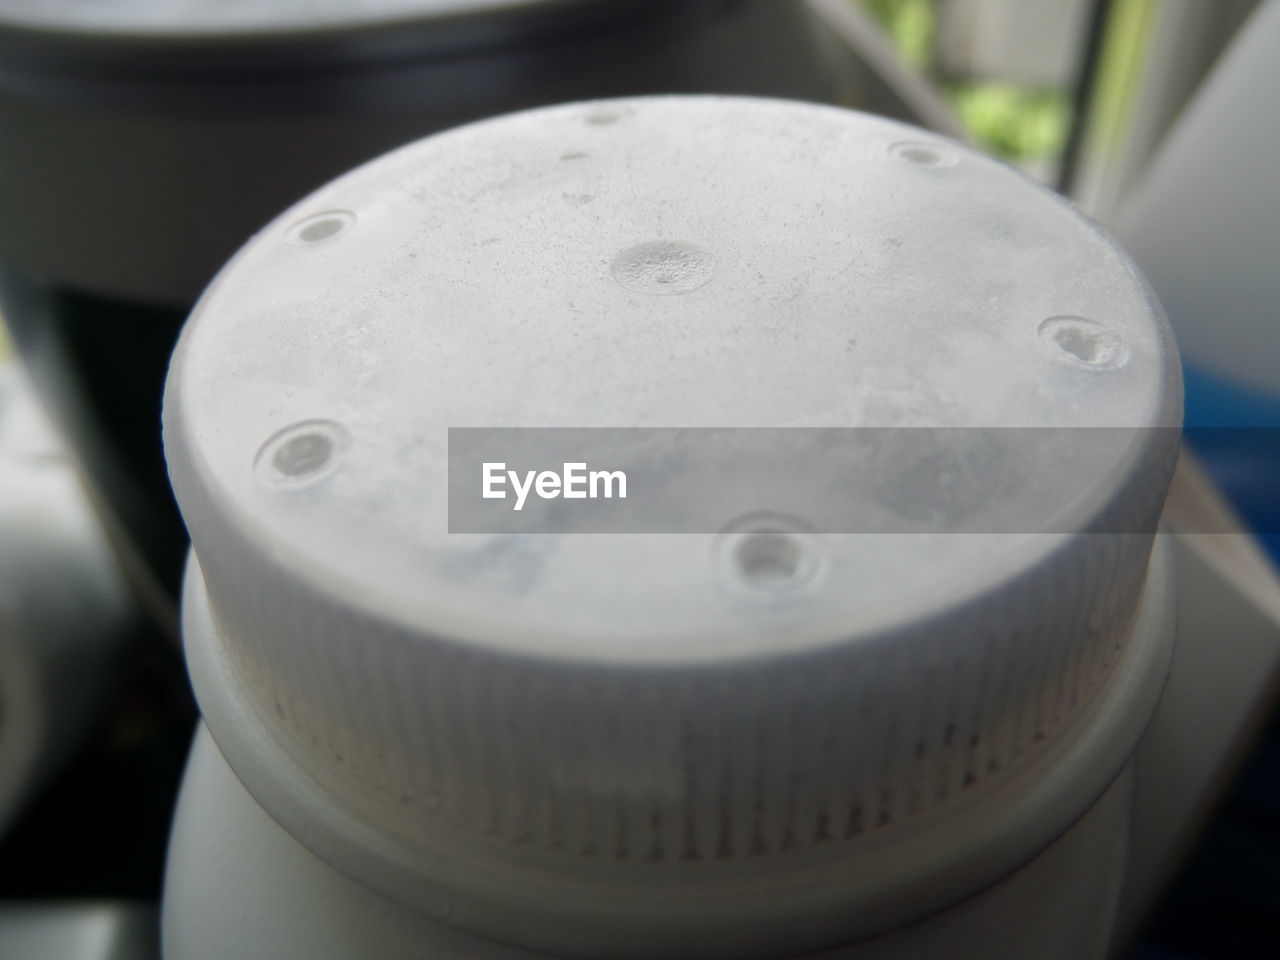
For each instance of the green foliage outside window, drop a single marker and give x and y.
(1015, 122)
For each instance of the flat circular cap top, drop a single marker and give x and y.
(665, 263)
(180, 18)
(611, 718)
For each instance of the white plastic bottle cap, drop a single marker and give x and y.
(739, 743)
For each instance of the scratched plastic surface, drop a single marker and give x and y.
(833, 275)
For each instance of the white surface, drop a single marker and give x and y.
(733, 905)
(505, 729)
(1223, 677)
(238, 887)
(473, 287)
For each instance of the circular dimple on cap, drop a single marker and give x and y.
(300, 454)
(663, 267)
(1086, 343)
(605, 116)
(320, 227)
(923, 154)
(767, 555)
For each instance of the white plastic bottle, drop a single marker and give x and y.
(750, 736)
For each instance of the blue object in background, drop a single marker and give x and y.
(1223, 906)
(1235, 430)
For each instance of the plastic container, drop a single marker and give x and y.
(753, 736)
